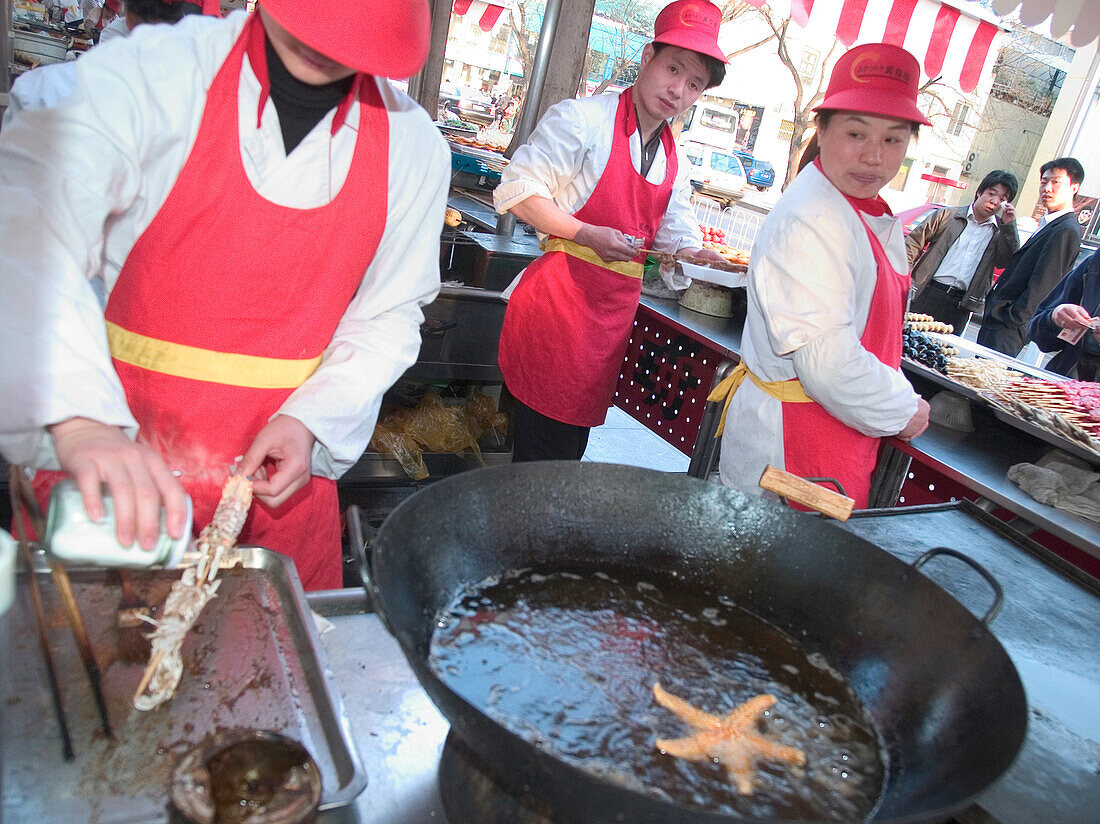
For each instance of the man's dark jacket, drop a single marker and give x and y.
(1030, 276)
(1081, 286)
(938, 233)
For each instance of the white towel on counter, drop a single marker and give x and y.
(1062, 482)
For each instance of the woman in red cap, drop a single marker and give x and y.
(252, 195)
(828, 284)
(599, 179)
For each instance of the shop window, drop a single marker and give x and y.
(807, 66)
(902, 177)
(958, 119)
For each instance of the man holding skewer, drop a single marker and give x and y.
(600, 181)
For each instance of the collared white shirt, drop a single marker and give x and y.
(961, 261)
(1049, 216)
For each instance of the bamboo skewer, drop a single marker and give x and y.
(64, 586)
(39, 611)
(670, 258)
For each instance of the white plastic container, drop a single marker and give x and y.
(74, 538)
(7, 571)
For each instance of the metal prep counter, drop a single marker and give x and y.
(670, 366)
(1047, 625)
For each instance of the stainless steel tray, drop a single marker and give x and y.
(1063, 443)
(374, 467)
(253, 660)
(969, 349)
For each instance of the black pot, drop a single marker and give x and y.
(940, 689)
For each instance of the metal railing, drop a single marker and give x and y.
(740, 225)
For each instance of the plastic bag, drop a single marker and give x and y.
(436, 427)
(391, 441)
(484, 416)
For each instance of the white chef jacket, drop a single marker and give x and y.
(81, 180)
(566, 155)
(811, 277)
(41, 87)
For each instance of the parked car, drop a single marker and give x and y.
(1088, 247)
(911, 217)
(714, 172)
(468, 106)
(760, 172)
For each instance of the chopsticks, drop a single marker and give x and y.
(60, 575)
(39, 611)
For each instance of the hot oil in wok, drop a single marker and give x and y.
(568, 661)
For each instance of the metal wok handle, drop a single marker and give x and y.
(359, 549)
(998, 593)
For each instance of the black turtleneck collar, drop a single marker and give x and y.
(300, 105)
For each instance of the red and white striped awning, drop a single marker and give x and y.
(1080, 19)
(955, 38)
(488, 14)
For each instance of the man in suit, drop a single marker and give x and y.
(952, 254)
(1039, 264)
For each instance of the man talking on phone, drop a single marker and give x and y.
(953, 252)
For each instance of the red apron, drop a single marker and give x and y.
(569, 320)
(225, 304)
(815, 444)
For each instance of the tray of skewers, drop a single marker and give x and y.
(1064, 413)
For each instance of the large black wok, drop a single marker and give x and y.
(939, 687)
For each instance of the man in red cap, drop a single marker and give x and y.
(251, 194)
(599, 179)
(827, 288)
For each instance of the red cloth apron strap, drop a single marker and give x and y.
(229, 300)
(569, 319)
(815, 444)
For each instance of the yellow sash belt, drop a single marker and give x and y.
(207, 365)
(630, 268)
(783, 391)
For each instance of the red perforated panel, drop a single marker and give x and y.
(665, 379)
(925, 485)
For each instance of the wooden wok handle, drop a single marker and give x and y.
(797, 489)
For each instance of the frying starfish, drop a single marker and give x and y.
(729, 739)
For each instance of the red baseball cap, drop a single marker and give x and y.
(690, 24)
(388, 38)
(876, 78)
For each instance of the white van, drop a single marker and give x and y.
(714, 172)
(712, 125)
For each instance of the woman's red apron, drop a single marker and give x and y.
(222, 273)
(569, 320)
(815, 444)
